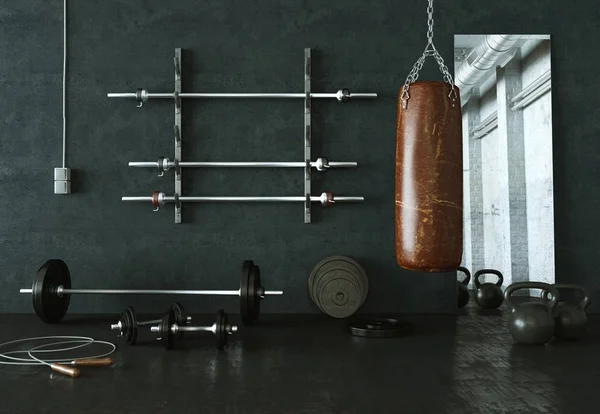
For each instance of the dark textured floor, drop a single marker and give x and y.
(308, 364)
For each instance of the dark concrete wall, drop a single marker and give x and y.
(248, 46)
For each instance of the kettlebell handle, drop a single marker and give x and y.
(585, 302)
(467, 279)
(531, 285)
(491, 272)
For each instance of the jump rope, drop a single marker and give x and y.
(67, 366)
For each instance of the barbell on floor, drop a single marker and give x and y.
(142, 95)
(164, 164)
(51, 291)
(159, 199)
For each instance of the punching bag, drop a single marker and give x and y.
(429, 179)
(429, 163)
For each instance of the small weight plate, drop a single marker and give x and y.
(47, 305)
(129, 325)
(350, 271)
(326, 278)
(318, 281)
(340, 298)
(167, 338)
(221, 329)
(245, 310)
(180, 316)
(380, 328)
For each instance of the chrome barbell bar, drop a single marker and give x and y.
(142, 95)
(164, 164)
(158, 199)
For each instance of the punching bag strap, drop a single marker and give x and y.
(430, 50)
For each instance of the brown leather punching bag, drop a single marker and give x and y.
(429, 177)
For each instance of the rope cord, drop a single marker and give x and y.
(8, 358)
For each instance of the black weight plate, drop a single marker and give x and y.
(180, 316)
(350, 271)
(245, 302)
(327, 260)
(340, 298)
(257, 291)
(47, 305)
(326, 278)
(167, 338)
(380, 328)
(129, 325)
(358, 270)
(221, 329)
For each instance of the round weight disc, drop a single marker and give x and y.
(256, 291)
(359, 268)
(221, 329)
(244, 287)
(340, 298)
(320, 279)
(380, 328)
(326, 278)
(47, 305)
(129, 325)
(180, 316)
(167, 338)
(361, 271)
(350, 271)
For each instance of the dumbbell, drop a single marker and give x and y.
(168, 329)
(128, 325)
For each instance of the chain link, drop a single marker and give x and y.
(430, 50)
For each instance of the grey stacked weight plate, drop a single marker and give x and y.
(338, 285)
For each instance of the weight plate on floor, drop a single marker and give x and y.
(339, 297)
(47, 304)
(167, 337)
(180, 316)
(325, 278)
(360, 271)
(221, 329)
(129, 325)
(350, 271)
(380, 328)
(250, 291)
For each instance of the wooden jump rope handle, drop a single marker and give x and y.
(95, 362)
(63, 369)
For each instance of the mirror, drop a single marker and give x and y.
(505, 88)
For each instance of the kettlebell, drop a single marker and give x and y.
(570, 320)
(531, 322)
(463, 287)
(489, 295)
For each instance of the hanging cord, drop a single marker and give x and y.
(430, 50)
(57, 364)
(64, 77)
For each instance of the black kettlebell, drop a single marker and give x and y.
(463, 287)
(489, 295)
(531, 322)
(570, 320)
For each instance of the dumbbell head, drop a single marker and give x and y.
(127, 326)
(165, 334)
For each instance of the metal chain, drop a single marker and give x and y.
(430, 50)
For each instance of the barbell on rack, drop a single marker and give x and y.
(159, 199)
(164, 164)
(142, 95)
(51, 291)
